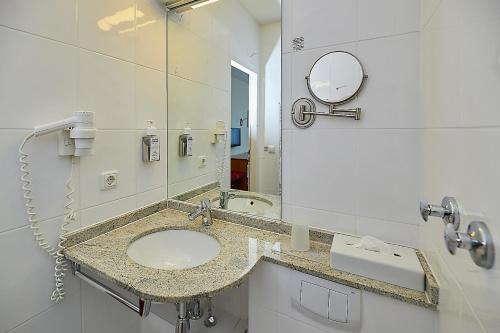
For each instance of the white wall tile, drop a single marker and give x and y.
(427, 9)
(183, 110)
(39, 18)
(398, 314)
(151, 48)
(326, 220)
(392, 232)
(109, 155)
(150, 98)
(108, 27)
(387, 17)
(35, 89)
(326, 22)
(152, 196)
(63, 317)
(480, 70)
(106, 86)
(388, 178)
(390, 97)
(29, 280)
(187, 59)
(99, 213)
(323, 170)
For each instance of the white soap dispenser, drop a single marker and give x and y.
(151, 144)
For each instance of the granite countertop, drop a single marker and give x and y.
(242, 247)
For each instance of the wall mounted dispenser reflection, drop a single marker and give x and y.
(477, 240)
(218, 135)
(151, 144)
(186, 143)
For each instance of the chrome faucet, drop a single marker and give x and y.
(224, 197)
(205, 209)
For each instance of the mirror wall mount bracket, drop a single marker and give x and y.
(304, 113)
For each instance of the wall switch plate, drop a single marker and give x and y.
(109, 180)
(65, 144)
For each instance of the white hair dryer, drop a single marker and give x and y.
(81, 139)
(81, 127)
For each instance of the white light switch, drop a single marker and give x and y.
(314, 298)
(338, 307)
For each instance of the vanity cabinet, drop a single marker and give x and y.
(275, 294)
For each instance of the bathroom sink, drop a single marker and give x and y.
(174, 249)
(252, 205)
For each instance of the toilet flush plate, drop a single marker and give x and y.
(400, 267)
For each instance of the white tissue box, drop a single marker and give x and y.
(400, 267)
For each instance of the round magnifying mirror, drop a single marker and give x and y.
(335, 78)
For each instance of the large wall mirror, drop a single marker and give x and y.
(224, 102)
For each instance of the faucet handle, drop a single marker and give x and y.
(206, 203)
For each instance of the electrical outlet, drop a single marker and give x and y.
(109, 180)
(203, 161)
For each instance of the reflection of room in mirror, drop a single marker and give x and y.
(336, 77)
(224, 65)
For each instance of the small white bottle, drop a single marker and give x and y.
(151, 144)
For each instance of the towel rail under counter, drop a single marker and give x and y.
(142, 309)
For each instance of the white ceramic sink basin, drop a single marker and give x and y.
(174, 249)
(252, 205)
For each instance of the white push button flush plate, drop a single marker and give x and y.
(314, 298)
(337, 309)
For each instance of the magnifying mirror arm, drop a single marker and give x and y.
(347, 113)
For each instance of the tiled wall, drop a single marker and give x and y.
(201, 45)
(460, 157)
(358, 177)
(59, 56)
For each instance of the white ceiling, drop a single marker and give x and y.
(263, 11)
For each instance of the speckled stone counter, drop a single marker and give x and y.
(102, 250)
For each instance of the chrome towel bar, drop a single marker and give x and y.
(142, 309)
